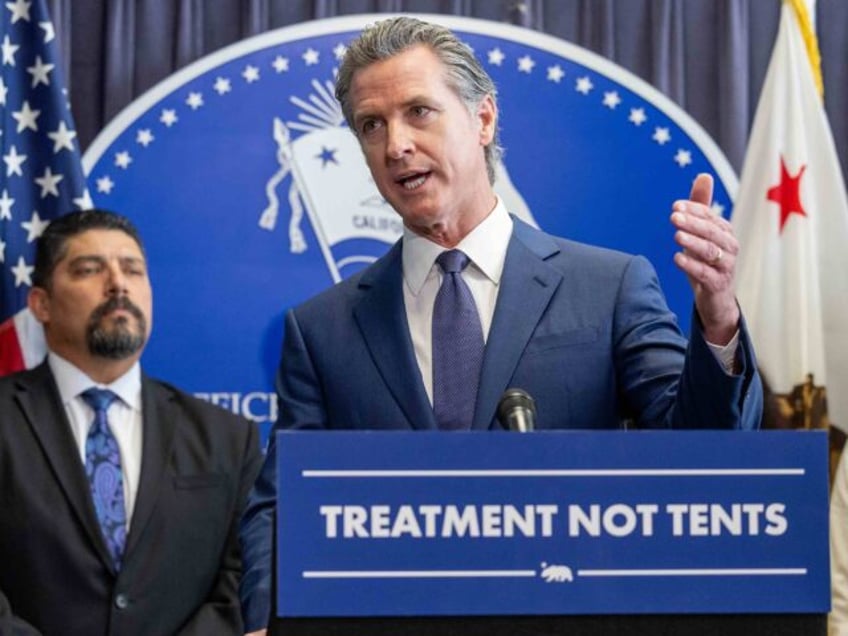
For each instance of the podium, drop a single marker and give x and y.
(554, 532)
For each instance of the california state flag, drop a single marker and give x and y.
(791, 219)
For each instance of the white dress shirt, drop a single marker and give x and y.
(486, 246)
(124, 416)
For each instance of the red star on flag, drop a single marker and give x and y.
(787, 194)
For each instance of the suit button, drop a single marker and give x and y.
(122, 601)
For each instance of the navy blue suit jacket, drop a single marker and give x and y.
(584, 330)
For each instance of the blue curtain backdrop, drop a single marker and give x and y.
(709, 56)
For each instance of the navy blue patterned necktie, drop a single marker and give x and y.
(103, 468)
(457, 346)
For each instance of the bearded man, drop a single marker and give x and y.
(120, 495)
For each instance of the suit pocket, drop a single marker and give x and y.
(201, 480)
(546, 342)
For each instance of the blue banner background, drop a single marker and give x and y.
(597, 154)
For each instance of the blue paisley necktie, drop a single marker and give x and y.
(103, 468)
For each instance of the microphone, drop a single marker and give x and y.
(517, 411)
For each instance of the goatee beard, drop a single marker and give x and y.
(120, 341)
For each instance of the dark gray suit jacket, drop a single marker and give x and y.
(182, 562)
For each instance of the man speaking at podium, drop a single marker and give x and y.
(472, 301)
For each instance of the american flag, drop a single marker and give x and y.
(41, 175)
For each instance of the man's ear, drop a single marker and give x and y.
(487, 115)
(38, 302)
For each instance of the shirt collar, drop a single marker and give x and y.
(485, 245)
(72, 381)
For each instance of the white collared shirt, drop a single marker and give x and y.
(486, 246)
(124, 417)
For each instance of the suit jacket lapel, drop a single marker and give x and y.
(39, 400)
(381, 316)
(159, 417)
(526, 288)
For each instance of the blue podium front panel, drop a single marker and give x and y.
(414, 524)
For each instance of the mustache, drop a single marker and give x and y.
(116, 302)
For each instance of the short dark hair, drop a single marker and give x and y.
(51, 246)
(464, 73)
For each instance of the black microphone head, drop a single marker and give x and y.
(514, 399)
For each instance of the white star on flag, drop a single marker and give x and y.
(717, 208)
(19, 9)
(4, 92)
(49, 31)
(34, 227)
(39, 72)
(62, 138)
(340, 51)
(49, 182)
(280, 64)
(9, 51)
(14, 161)
(26, 118)
(6, 203)
(22, 273)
